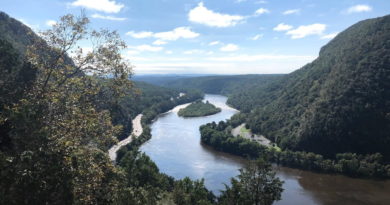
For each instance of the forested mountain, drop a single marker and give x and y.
(225, 84)
(338, 103)
(19, 35)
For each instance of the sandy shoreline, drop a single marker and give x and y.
(137, 131)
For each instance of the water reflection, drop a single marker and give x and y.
(176, 149)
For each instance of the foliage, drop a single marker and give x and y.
(256, 184)
(338, 103)
(198, 109)
(191, 192)
(161, 107)
(224, 85)
(219, 137)
(56, 138)
(370, 165)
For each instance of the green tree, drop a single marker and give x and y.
(256, 184)
(191, 192)
(57, 138)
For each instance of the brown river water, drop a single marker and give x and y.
(176, 149)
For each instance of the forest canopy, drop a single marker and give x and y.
(198, 109)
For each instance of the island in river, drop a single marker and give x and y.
(176, 149)
(199, 109)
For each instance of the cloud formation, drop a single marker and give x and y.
(214, 43)
(261, 11)
(229, 48)
(359, 8)
(303, 31)
(291, 11)
(112, 18)
(147, 48)
(99, 5)
(159, 42)
(329, 36)
(257, 37)
(283, 27)
(142, 34)
(175, 34)
(202, 15)
(50, 22)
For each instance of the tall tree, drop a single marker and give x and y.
(57, 136)
(256, 184)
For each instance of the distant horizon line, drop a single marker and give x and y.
(202, 74)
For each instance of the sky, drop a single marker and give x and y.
(210, 36)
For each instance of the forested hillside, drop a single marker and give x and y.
(56, 123)
(338, 103)
(225, 84)
(141, 98)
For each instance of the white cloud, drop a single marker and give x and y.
(50, 22)
(142, 34)
(329, 36)
(283, 27)
(202, 15)
(291, 11)
(112, 18)
(214, 43)
(99, 5)
(168, 52)
(147, 48)
(257, 37)
(303, 31)
(229, 48)
(261, 11)
(177, 33)
(159, 42)
(359, 8)
(251, 58)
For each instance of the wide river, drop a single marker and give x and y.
(175, 147)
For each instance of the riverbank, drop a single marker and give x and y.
(247, 134)
(137, 131)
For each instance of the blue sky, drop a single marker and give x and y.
(210, 36)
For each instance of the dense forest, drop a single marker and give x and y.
(57, 123)
(338, 103)
(199, 108)
(224, 84)
(219, 137)
(150, 100)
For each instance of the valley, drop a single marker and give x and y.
(78, 125)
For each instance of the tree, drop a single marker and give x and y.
(191, 192)
(58, 137)
(256, 184)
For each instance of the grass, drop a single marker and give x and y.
(243, 130)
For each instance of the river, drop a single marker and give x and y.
(176, 149)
